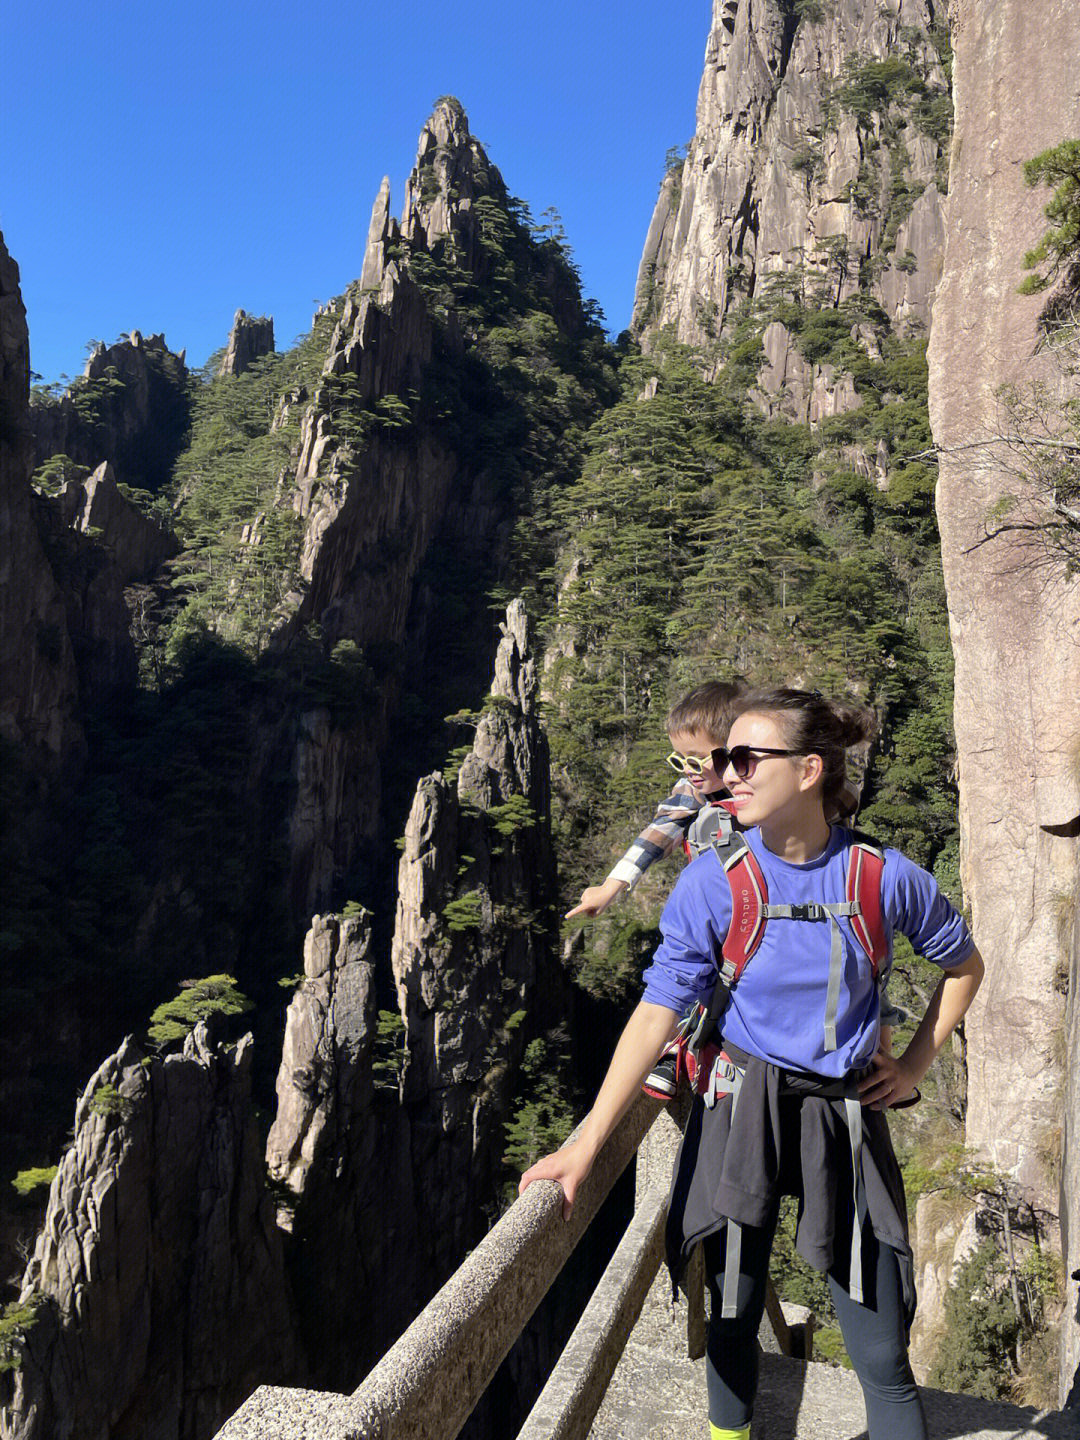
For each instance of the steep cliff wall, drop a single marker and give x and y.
(251, 337)
(406, 483)
(131, 407)
(156, 1279)
(472, 947)
(1014, 613)
(817, 155)
(1069, 1186)
(368, 1103)
(38, 679)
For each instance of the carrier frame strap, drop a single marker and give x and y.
(724, 1079)
(866, 863)
(729, 1296)
(829, 912)
(711, 826)
(853, 1107)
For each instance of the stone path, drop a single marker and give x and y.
(656, 1393)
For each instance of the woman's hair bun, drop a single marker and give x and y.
(857, 724)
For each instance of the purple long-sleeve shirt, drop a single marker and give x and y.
(777, 1007)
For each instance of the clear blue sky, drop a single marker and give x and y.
(167, 161)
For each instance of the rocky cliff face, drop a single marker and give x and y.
(38, 678)
(377, 502)
(367, 1102)
(136, 544)
(131, 407)
(817, 157)
(251, 337)
(1069, 1183)
(1014, 615)
(157, 1276)
(333, 1147)
(382, 345)
(475, 893)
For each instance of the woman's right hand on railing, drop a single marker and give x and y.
(568, 1167)
(645, 1034)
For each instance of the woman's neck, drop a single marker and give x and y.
(797, 839)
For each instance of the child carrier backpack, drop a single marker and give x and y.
(694, 1051)
(712, 822)
(696, 1047)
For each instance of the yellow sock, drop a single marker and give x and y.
(715, 1433)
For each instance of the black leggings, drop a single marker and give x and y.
(874, 1335)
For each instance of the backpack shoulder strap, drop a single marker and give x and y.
(749, 897)
(866, 865)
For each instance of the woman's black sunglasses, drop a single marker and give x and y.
(743, 759)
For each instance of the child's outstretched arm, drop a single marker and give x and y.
(664, 831)
(647, 1031)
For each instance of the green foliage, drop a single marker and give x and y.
(829, 1346)
(465, 912)
(675, 158)
(514, 814)
(388, 1051)
(16, 1318)
(868, 88)
(107, 1102)
(977, 1350)
(543, 1115)
(1059, 247)
(615, 953)
(51, 476)
(26, 1181)
(241, 546)
(198, 1000)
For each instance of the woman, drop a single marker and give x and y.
(802, 1028)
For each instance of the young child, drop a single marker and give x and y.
(696, 726)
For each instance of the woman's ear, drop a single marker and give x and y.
(813, 770)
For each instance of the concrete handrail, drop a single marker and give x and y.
(568, 1403)
(438, 1370)
(430, 1381)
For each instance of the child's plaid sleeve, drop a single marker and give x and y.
(667, 829)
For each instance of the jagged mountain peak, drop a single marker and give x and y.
(451, 171)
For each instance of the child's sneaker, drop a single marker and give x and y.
(662, 1080)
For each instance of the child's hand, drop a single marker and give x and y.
(597, 898)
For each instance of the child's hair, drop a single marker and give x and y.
(710, 708)
(813, 725)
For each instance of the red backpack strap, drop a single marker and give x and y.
(749, 896)
(866, 863)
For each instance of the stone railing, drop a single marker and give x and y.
(429, 1382)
